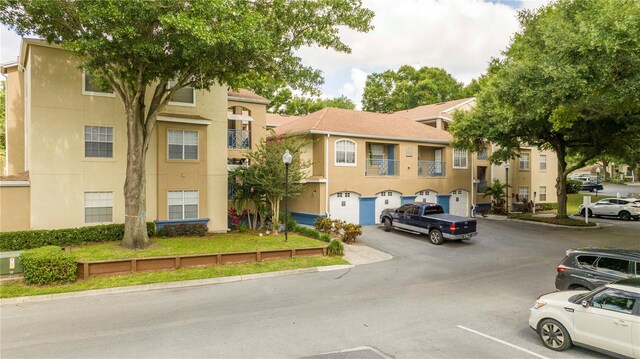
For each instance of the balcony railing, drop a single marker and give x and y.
(432, 168)
(239, 139)
(377, 167)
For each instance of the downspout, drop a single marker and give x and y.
(326, 174)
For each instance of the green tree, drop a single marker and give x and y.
(300, 106)
(408, 87)
(498, 191)
(136, 47)
(264, 180)
(568, 82)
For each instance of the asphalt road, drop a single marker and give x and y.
(429, 301)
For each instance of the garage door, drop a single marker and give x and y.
(427, 196)
(459, 203)
(345, 206)
(387, 199)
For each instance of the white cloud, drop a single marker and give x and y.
(355, 88)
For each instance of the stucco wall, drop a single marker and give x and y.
(14, 121)
(14, 209)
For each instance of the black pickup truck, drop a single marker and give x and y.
(429, 218)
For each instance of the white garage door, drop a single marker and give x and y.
(459, 203)
(345, 206)
(387, 199)
(427, 196)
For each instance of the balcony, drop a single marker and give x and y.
(376, 167)
(432, 168)
(239, 139)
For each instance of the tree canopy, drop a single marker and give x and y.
(300, 106)
(568, 82)
(139, 46)
(409, 87)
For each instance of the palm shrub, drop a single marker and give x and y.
(498, 191)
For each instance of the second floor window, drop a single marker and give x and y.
(183, 145)
(524, 161)
(345, 152)
(98, 141)
(543, 162)
(459, 158)
(91, 86)
(185, 96)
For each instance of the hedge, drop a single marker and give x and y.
(18, 240)
(48, 265)
(183, 229)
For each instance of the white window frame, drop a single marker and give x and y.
(183, 204)
(183, 152)
(541, 162)
(93, 93)
(527, 190)
(542, 191)
(523, 162)
(184, 104)
(461, 155)
(84, 207)
(84, 143)
(355, 154)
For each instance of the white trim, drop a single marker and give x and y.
(183, 205)
(466, 160)
(183, 152)
(193, 121)
(248, 100)
(84, 207)
(93, 93)
(236, 117)
(458, 105)
(375, 137)
(316, 180)
(182, 104)
(326, 174)
(84, 143)
(335, 154)
(445, 119)
(15, 183)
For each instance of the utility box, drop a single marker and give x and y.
(10, 263)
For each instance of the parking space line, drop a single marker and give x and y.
(503, 342)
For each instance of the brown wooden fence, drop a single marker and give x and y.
(105, 268)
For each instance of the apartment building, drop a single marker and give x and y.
(67, 142)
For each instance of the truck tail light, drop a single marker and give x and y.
(452, 227)
(561, 268)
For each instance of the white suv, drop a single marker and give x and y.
(623, 208)
(606, 319)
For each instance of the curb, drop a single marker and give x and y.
(170, 285)
(597, 226)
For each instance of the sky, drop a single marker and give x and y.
(460, 36)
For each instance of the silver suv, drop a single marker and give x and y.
(623, 208)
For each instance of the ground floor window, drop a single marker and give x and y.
(98, 207)
(183, 204)
(523, 192)
(543, 193)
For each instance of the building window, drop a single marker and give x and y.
(98, 141)
(524, 161)
(459, 158)
(376, 153)
(91, 86)
(183, 204)
(483, 155)
(543, 162)
(345, 153)
(523, 192)
(185, 96)
(543, 193)
(183, 145)
(98, 207)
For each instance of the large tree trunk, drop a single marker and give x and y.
(135, 226)
(605, 167)
(561, 184)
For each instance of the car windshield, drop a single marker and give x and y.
(578, 298)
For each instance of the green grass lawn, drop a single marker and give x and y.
(575, 199)
(551, 220)
(220, 243)
(20, 290)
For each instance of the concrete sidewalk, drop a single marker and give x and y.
(361, 254)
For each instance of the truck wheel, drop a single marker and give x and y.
(387, 225)
(435, 236)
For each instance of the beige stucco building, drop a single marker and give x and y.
(67, 143)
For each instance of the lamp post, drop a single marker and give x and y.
(506, 167)
(286, 158)
(597, 181)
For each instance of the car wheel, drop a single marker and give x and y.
(387, 225)
(554, 336)
(435, 236)
(590, 213)
(624, 215)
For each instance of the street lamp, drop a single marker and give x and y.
(506, 167)
(286, 158)
(597, 181)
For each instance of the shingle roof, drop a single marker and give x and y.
(244, 93)
(276, 119)
(433, 110)
(363, 124)
(22, 176)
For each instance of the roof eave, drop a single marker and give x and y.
(376, 137)
(249, 100)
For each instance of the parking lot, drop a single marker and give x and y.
(458, 300)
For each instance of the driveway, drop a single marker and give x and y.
(457, 300)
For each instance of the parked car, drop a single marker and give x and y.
(589, 185)
(623, 208)
(590, 268)
(606, 319)
(430, 219)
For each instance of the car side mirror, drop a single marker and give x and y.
(585, 303)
